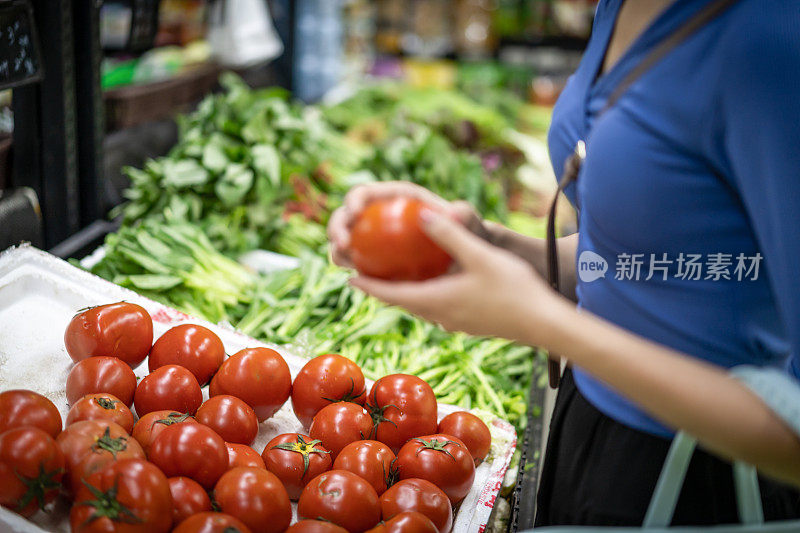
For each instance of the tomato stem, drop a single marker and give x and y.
(107, 505)
(106, 403)
(303, 448)
(38, 487)
(110, 445)
(435, 445)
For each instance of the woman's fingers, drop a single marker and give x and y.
(423, 298)
(464, 246)
(359, 197)
(338, 228)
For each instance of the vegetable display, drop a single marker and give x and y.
(314, 310)
(171, 469)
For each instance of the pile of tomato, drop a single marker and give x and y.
(373, 460)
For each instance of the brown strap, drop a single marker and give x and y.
(573, 163)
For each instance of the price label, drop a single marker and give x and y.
(20, 60)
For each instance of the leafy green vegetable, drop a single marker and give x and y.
(254, 170)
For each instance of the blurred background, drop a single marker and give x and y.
(134, 65)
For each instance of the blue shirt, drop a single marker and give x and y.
(700, 156)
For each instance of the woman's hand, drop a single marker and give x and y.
(359, 197)
(491, 292)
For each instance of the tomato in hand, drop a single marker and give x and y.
(259, 376)
(230, 417)
(441, 459)
(191, 450)
(470, 430)
(296, 459)
(403, 407)
(243, 455)
(343, 498)
(370, 460)
(101, 406)
(406, 522)
(420, 496)
(211, 523)
(193, 347)
(89, 445)
(256, 497)
(188, 498)
(20, 408)
(315, 526)
(153, 423)
(31, 468)
(123, 330)
(339, 424)
(169, 387)
(101, 374)
(130, 496)
(324, 380)
(387, 242)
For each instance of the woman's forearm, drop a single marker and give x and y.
(681, 391)
(534, 251)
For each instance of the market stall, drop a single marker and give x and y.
(223, 225)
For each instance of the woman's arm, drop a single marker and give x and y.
(534, 251)
(496, 293)
(682, 392)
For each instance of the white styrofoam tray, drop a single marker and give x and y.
(40, 293)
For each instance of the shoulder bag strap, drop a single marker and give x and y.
(573, 164)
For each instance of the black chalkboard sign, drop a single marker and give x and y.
(20, 61)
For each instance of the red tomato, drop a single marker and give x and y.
(169, 387)
(406, 522)
(420, 496)
(343, 498)
(122, 330)
(188, 498)
(387, 241)
(256, 497)
(211, 523)
(101, 374)
(470, 430)
(191, 450)
(259, 376)
(404, 406)
(230, 417)
(441, 459)
(20, 408)
(243, 455)
(31, 468)
(339, 424)
(152, 424)
(129, 496)
(101, 406)
(315, 526)
(89, 445)
(296, 459)
(323, 380)
(193, 347)
(370, 460)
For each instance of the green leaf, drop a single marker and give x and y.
(266, 161)
(234, 184)
(214, 158)
(150, 282)
(184, 174)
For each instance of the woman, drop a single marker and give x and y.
(695, 164)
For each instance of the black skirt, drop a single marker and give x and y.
(600, 472)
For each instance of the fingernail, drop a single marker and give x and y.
(427, 215)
